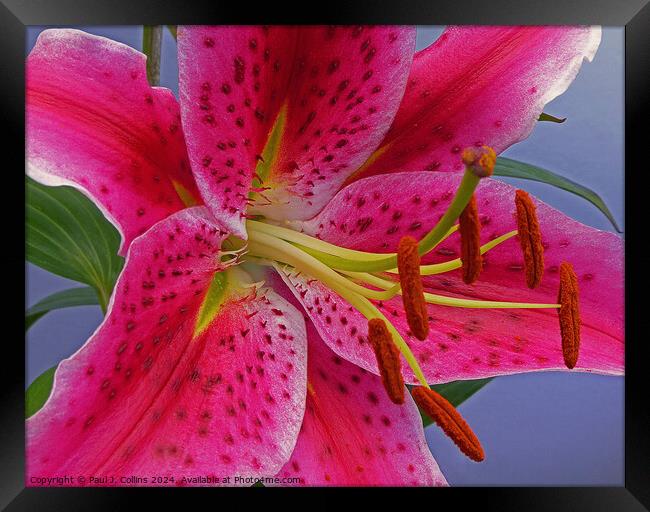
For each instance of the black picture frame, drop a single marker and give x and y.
(15, 15)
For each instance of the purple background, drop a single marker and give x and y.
(536, 429)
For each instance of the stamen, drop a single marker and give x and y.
(308, 242)
(569, 315)
(457, 302)
(530, 238)
(388, 360)
(470, 242)
(440, 268)
(480, 160)
(408, 265)
(266, 246)
(449, 420)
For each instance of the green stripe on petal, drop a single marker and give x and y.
(270, 152)
(214, 298)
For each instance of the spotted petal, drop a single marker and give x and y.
(352, 434)
(472, 343)
(94, 122)
(479, 85)
(321, 97)
(189, 374)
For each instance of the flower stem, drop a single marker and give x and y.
(151, 47)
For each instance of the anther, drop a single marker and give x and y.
(415, 306)
(480, 160)
(530, 238)
(388, 360)
(470, 242)
(449, 420)
(569, 314)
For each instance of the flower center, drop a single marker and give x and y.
(362, 277)
(450, 421)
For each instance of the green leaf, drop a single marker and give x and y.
(456, 392)
(38, 392)
(172, 30)
(72, 297)
(516, 169)
(548, 117)
(67, 235)
(151, 47)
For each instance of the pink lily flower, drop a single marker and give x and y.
(255, 216)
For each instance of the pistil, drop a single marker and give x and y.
(480, 160)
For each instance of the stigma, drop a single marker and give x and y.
(480, 160)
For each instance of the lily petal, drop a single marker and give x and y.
(352, 434)
(94, 122)
(476, 86)
(151, 394)
(322, 97)
(472, 343)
